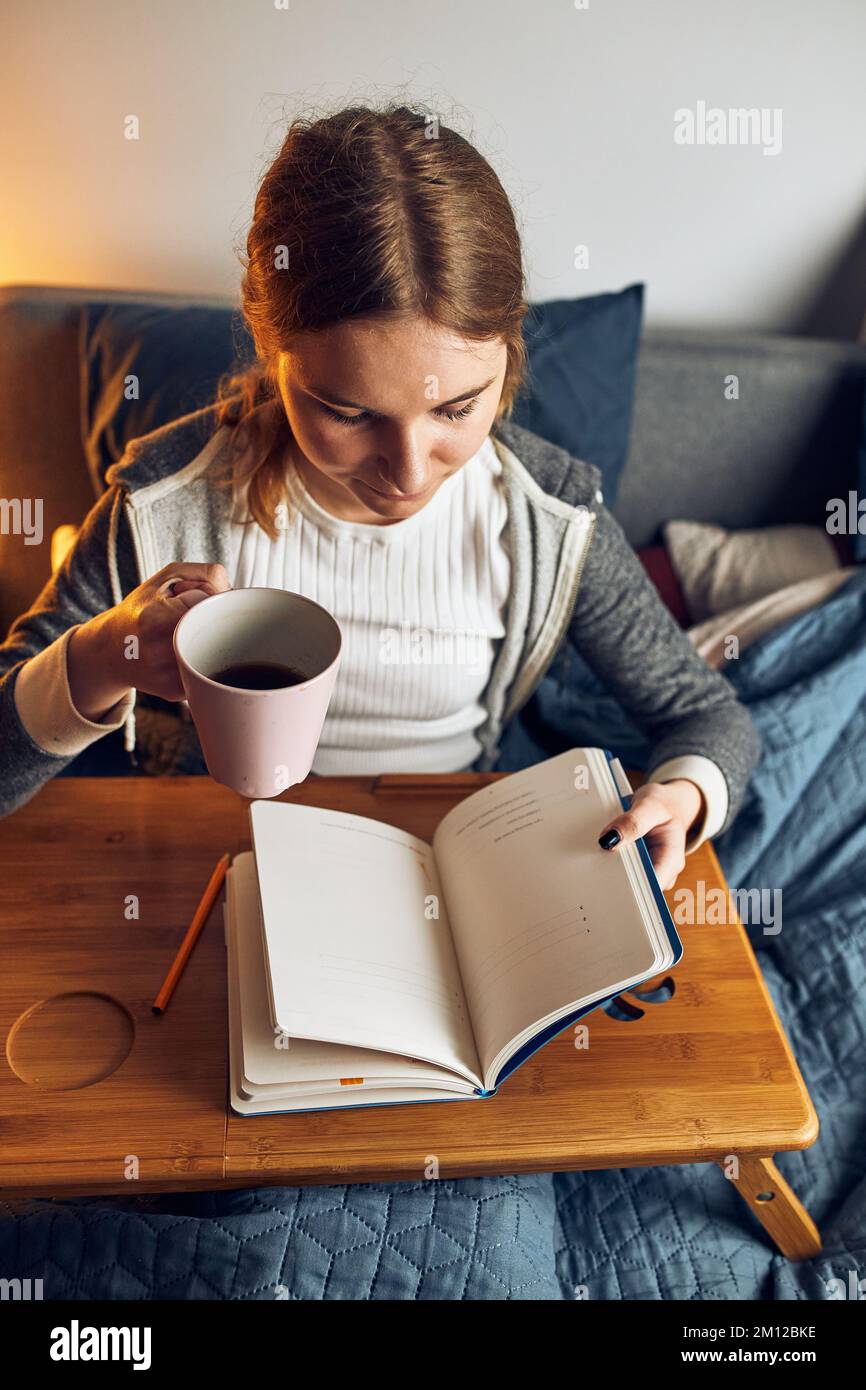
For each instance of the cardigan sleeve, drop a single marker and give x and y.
(689, 712)
(40, 728)
(46, 708)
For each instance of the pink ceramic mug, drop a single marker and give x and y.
(258, 741)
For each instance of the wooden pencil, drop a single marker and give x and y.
(194, 929)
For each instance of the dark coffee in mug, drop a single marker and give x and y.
(259, 675)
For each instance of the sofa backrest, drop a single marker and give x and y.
(775, 454)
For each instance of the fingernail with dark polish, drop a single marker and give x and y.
(609, 839)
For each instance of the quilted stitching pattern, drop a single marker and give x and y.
(476, 1238)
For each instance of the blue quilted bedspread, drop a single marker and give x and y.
(653, 1233)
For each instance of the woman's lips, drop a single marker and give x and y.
(398, 496)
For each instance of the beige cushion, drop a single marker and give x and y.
(750, 621)
(720, 569)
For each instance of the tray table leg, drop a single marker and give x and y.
(777, 1207)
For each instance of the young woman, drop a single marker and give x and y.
(366, 459)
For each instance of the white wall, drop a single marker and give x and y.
(574, 108)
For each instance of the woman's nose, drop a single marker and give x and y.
(404, 469)
(403, 480)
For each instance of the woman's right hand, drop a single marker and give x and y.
(129, 646)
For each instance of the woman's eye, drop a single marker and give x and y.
(343, 419)
(461, 414)
(444, 412)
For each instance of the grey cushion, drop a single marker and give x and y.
(775, 455)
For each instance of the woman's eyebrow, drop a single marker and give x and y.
(340, 400)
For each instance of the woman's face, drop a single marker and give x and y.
(383, 412)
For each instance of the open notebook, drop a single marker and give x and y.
(367, 967)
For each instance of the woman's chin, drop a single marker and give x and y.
(394, 505)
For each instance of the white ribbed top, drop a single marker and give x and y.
(421, 604)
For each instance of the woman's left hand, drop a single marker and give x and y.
(662, 813)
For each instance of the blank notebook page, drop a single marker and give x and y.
(354, 957)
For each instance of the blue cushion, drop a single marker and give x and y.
(582, 367)
(582, 358)
(178, 354)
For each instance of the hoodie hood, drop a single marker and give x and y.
(164, 451)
